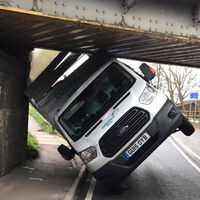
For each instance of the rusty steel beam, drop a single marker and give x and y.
(143, 30)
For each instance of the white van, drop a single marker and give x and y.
(113, 118)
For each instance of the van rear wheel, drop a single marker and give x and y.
(186, 127)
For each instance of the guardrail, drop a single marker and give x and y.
(192, 115)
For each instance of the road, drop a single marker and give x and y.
(166, 174)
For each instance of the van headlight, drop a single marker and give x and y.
(148, 95)
(88, 154)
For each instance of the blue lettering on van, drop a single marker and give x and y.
(108, 122)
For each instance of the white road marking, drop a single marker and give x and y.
(71, 193)
(91, 189)
(184, 155)
(194, 155)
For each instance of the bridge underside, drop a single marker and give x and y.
(36, 29)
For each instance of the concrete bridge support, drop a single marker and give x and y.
(13, 109)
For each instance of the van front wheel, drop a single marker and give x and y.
(186, 127)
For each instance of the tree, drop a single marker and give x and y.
(177, 82)
(185, 82)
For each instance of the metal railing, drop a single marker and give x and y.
(192, 115)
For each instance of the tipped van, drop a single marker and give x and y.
(111, 116)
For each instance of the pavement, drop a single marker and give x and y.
(47, 178)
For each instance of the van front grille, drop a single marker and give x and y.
(123, 130)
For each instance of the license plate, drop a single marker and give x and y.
(137, 145)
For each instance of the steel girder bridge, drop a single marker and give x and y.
(164, 31)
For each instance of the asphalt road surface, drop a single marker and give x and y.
(166, 174)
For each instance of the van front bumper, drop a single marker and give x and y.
(167, 120)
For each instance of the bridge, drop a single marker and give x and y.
(149, 30)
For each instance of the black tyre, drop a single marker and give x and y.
(186, 127)
(110, 187)
(113, 189)
(116, 187)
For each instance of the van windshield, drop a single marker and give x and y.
(95, 100)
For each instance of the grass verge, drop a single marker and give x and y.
(33, 149)
(43, 123)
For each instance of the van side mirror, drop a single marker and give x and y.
(149, 73)
(66, 152)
